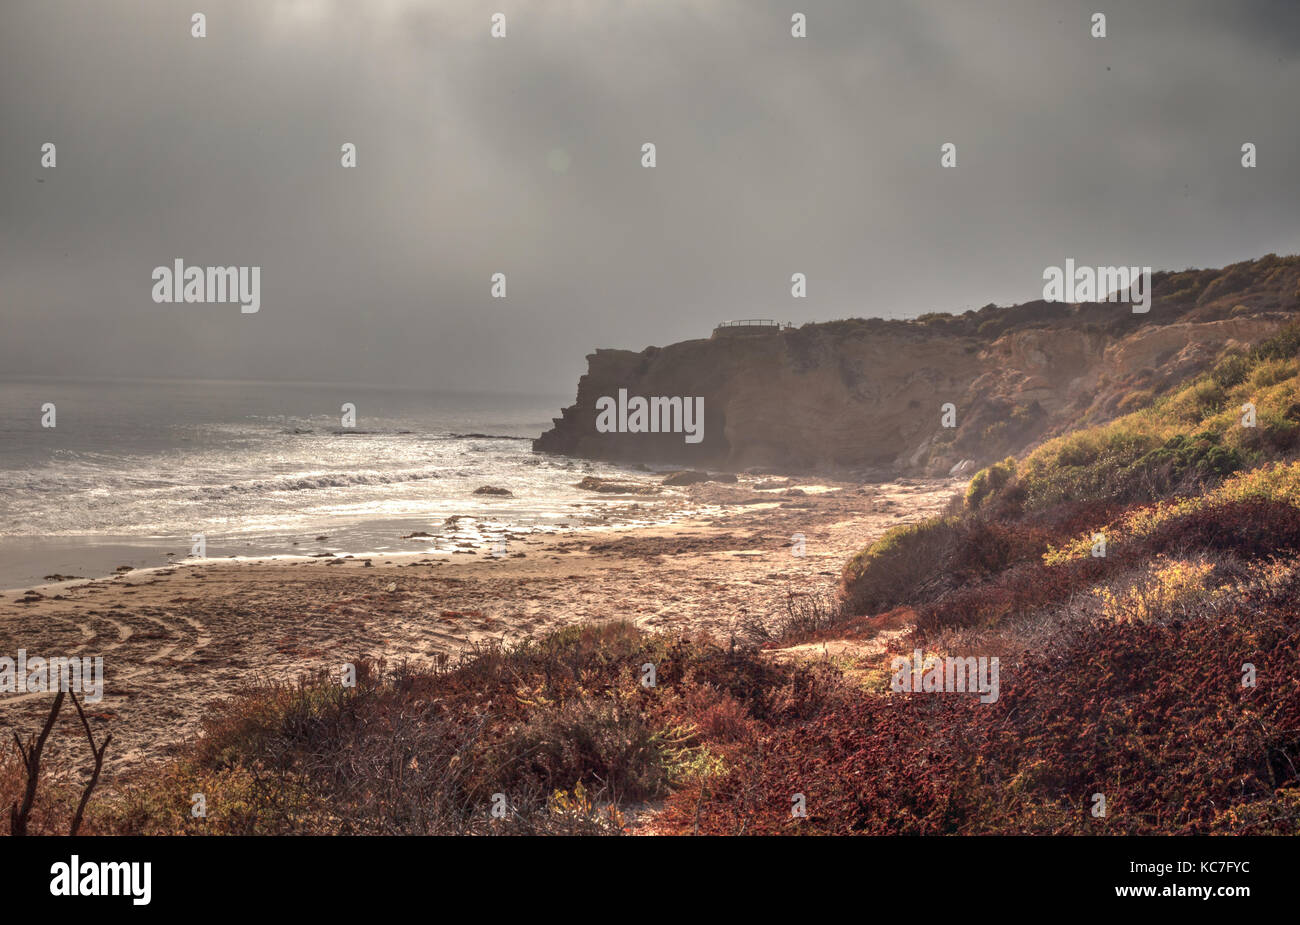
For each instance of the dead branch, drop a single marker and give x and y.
(31, 755)
(99, 765)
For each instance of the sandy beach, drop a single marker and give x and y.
(176, 639)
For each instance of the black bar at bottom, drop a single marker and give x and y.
(335, 875)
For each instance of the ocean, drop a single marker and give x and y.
(133, 470)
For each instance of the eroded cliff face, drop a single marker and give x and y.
(870, 395)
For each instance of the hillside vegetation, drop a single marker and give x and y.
(1137, 573)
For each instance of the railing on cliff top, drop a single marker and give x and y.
(753, 323)
(750, 326)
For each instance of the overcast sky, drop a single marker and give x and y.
(523, 155)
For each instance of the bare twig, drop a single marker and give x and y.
(32, 762)
(99, 764)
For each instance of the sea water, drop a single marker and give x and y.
(134, 470)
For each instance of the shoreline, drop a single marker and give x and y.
(178, 638)
(95, 557)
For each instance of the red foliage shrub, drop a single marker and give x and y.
(1250, 529)
(1153, 716)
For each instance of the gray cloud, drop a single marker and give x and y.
(775, 156)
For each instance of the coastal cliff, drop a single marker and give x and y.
(869, 394)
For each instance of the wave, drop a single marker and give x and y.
(120, 482)
(483, 437)
(314, 482)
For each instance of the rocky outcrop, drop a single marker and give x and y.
(871, 394)
(695, 477)
(614, 487)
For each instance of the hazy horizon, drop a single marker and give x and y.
(335, 383)
(522, 155)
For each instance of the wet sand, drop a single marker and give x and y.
(175, 640)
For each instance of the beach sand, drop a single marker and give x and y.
(176, 640)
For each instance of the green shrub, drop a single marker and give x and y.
(989, 481)
(1191, 437)
(1087, 465)
(1270, 372)
(891, 570)
(1182, 459)
(1135, 400)
(1284, 345)
(1231, 370)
